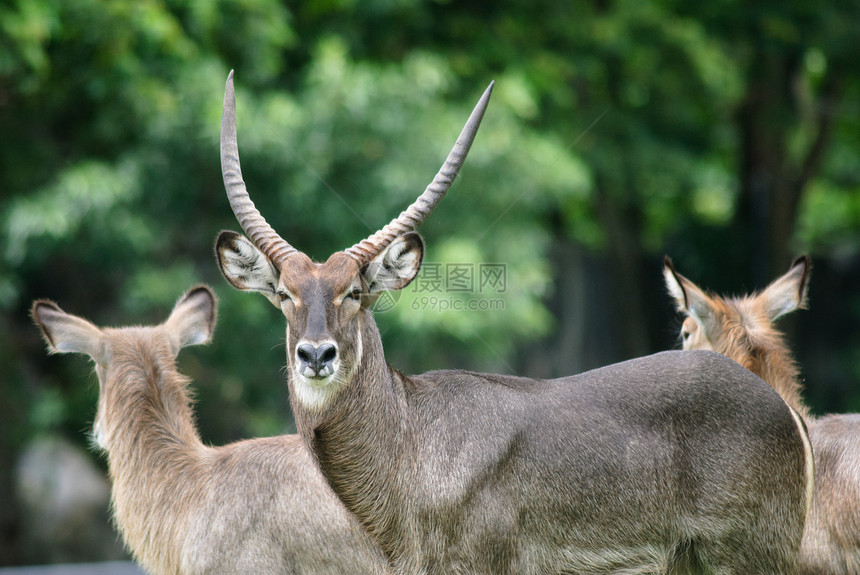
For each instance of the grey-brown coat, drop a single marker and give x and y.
(681, 462)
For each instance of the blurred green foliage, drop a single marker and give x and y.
(620, 129)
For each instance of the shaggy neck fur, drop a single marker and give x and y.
(154, 451)
(367, 420)
(747, 336)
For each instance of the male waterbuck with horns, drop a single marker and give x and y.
(258, 506)
(743, 329)
(647, 466)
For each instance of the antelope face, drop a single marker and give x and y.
(321, 304)
(325, 305)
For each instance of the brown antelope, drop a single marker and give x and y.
(743, 329)
(646, 466)
(255, 506)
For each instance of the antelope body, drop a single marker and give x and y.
(675, 463)
(255, 506)
(743, 328)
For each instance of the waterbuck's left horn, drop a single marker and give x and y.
(415, 214)
(251, 220)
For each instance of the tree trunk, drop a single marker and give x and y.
(772, 182)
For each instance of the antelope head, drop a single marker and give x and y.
(325, 304)
(191, 322)
(743, 328)
(721, 324)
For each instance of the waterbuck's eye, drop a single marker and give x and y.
(354, 294)
(283, 295)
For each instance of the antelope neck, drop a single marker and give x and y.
(367, 424)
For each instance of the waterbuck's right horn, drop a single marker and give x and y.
(255, 226)
(415, 214)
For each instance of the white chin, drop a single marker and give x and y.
(314, 393)
(322, 378)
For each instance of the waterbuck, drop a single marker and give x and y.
(256, 506)
(743, 329)
(680, 462)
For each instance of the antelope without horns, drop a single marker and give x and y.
(743, 328)
(647, 466)
(255, 506)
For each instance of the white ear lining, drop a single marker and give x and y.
(247, 268)
(689, 299)
(396, 266)
(401, 262)
(676, 290)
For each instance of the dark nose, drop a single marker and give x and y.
(319, 359)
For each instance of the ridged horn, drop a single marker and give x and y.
(415, 214)
(256, 228)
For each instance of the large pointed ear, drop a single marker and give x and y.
(66, 333)
(689, 298)
(395, 266)
(245, 267)
(787, 293)
(192, 320)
